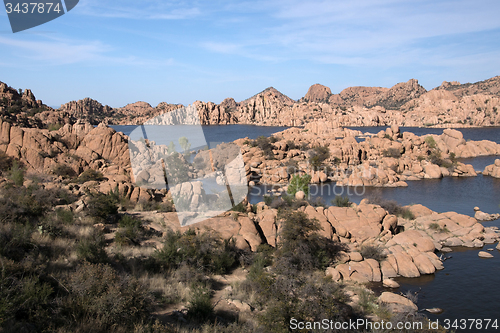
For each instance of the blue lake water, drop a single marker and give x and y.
(216, 133)
(458, 194)
(468, 286)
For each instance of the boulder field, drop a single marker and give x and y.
(389, 158)
(408, 246)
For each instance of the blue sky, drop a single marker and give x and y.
(120, 52)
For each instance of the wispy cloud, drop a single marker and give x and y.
(138, 10)
(59, 51)
(358, 32)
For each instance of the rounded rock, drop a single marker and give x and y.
(300, 195)
(390, 283)
(484, 254)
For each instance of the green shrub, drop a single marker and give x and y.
(437, 227)
(387, 136)
(64, 171)
(15, 241)
(65, 216)
(301, 248)
(431, 143)
(176, 168)
(28, 205)
(292, 167)
(291, 145)
(434, 226)
(453, 158)
(89, 175)
(5, 161)
(129, 232)
(240, 207)
(406, 214)
(303, 297)
(54, 127)
(268, 200)
(91, 249)
(299, 183)
(200, 307)
(266, 144)
(205, 251)
(16, 173)
(24, 301)
(317, 202)
(341, 201)
(98, 295)
(392, 207)
(367, 301)
(102, 205)
(373, 252)
(317, 156)
(391, 152)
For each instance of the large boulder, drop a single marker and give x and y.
(405, 265)
(493, 170)
(452, 138)
(432, 171)
(397, 303)
(412, 238)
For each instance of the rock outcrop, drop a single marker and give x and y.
(493, 170)
(388, 159)
(317, 93)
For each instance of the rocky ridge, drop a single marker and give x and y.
(405, 104)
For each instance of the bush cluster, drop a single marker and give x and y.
(392, 207)
(102, 206)
(391, 152)
(317, 156)
(64, 171)
(88, 175)
(130, 231)
(205, 251)
(341, 201)
(289, 282)
(373, 252)
(266, 144)
(38, 294)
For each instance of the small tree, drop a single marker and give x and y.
(17, 173)
(299, 183)
(185, 145)
(171, 147)
(430, 142)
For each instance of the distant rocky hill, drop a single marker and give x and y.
(19, 107)
(405, 104)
